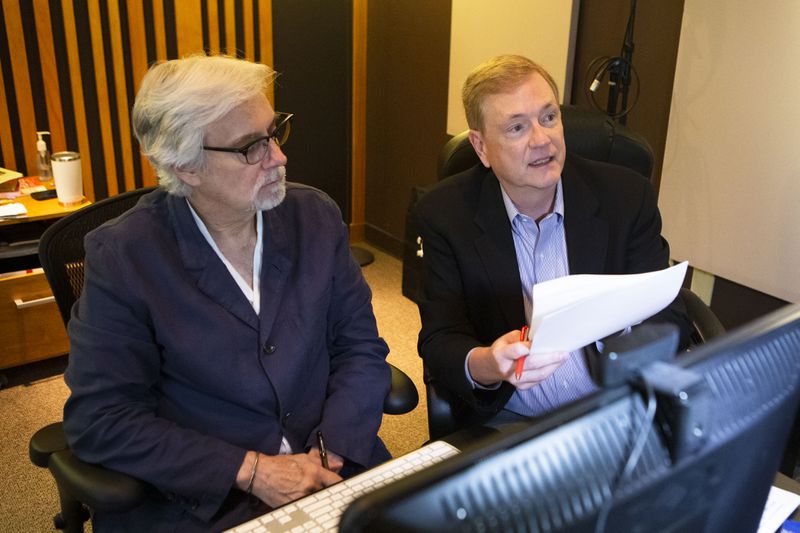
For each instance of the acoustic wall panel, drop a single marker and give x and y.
(730, 186)
(72, 67)
(539, 29)
(313, 54)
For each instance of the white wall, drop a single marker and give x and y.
(542, 30)
(730, 188)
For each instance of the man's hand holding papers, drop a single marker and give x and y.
(569, 313)
(495, 363)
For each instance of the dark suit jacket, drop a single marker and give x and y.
(472, 292)
(174, 377)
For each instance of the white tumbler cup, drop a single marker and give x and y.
(67, 175)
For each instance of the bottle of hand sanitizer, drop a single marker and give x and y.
(43, 158)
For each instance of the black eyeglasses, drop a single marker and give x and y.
(255, 151)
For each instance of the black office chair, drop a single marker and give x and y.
(83, 486)
(593, 135)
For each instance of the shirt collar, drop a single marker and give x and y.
(512, 211)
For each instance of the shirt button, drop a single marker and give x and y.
(269, 349)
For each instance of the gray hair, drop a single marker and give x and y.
(179, 98)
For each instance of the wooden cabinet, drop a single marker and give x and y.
(30, 324)
(31, 328)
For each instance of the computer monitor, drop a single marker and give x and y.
(706, 459)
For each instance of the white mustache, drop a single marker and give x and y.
(274, 174)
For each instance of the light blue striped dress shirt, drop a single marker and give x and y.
(541, 256)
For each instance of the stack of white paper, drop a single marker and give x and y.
(780, 505)
(574, 311)
(12, 210)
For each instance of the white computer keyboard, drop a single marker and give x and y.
(321, 510)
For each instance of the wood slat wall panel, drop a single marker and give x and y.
(75, 73)
(359, 121)
(123, 104)
(189, 29)
(213, 27)
(249, 47)
(6, 144)
(78, 73)
(47, 55)
(103, 96)
(138, 66)
(264, 46)
(158, 26)
(21, 80)
(230, 28)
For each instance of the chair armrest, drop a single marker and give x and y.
(110, 491)
(92, 485)
(45, 442)
(96, 487)
(447, 413)
(706, 324)
(403, 396)
(441, 416)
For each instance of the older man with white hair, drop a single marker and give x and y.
(223, 322)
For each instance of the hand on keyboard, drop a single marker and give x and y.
(321, 511)
(284, 478)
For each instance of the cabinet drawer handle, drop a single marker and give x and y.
(33, 303)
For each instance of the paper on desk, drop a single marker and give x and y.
(780, 505)
(12, 210)
(574, 311)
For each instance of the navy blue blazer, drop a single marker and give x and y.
(174, 377)
(472, 292)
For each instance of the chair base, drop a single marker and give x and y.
(362, 256)
(72, 516)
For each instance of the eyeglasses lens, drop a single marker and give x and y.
(257, 151)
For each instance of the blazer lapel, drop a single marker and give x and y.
(212, 277)
(275, 267)
(586, 233)
(495, 246)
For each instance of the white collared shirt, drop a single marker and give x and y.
(541, 250)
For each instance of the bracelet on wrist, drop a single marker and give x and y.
(252, 475)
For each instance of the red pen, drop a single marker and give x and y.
(521, 361)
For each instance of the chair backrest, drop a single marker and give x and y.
(61, 249)
(587, 132)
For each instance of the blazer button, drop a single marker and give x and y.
(269, 349)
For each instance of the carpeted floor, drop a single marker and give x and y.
(36, 393)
